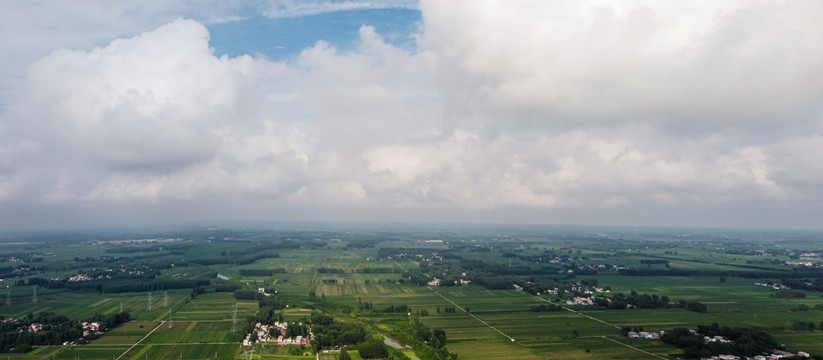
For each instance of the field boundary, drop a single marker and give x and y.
(634, 348)
(470, 314)
(579, 313)
(141, 340)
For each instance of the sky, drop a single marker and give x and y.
(637, 113)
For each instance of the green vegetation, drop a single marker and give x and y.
(725, 340)
(496, 293)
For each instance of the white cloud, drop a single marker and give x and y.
(291, 8)
(544, 64)
(610, 108)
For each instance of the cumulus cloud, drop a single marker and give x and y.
(153, 100)
(736, 64)
(504, 107)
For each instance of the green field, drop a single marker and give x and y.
(358, 275)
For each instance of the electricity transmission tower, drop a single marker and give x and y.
(249, 354)
(34, 295)
(8, 295)
(149, 305)
(234, 319)
(165, 299)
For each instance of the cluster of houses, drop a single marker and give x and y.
(33, 328)
(803, 263)
(777, 354)
(419, 257)
(652, 335)
(21, 270)
(773, 286)
(274, 333)
(436, 282)
(581, 301)
(600, 267)
(578, 288)
(718, 339)
(92, 328)
(80, 277)
(11, 259)
(86, 277)
(134, 241)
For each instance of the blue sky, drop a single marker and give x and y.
(284, 38)
(634, 112)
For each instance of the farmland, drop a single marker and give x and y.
(496, 292)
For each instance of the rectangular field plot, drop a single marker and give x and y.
(126, 334)
(214, 306)
(418, 298)
(185, 351)
(597, 348)
(553, 325)
(91, 352)
(810, 342)
(473, 340)
(193, 332)
(479, 299)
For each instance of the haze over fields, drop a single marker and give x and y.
(583, 112)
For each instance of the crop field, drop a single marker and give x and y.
(185, 351)
(215, 307)
(364, 278)
(472, 340)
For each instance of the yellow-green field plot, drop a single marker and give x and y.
(214, 306)
(126, 334)
(472, 340)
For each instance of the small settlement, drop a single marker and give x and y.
(263, 333)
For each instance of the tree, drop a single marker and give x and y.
(372, 350)
(344, 355)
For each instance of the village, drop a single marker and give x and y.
(263, 333)
(775, 353)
